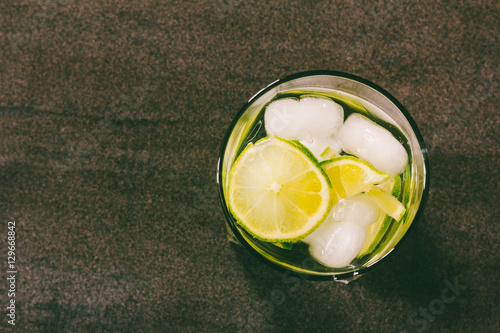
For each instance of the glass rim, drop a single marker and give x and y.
(385, 93)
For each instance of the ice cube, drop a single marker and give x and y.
(305, 119)
(360, 209)
(322, 117)
(373, 143)
(336, 244)
(283, 119)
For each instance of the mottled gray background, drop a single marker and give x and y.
(111, 118)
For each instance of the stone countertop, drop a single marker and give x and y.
(111, 119)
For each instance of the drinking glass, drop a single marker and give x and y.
(248, 125)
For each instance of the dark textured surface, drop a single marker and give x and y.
(111, 118)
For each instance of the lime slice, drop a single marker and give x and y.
(277, 191)
(377, 230)
(328, 154)
(350, 175)
(389, 204)
(284, 245)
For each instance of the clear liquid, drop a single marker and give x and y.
(296, 255)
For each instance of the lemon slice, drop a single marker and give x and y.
(389, 204)
(350, 175)
(376, 231)
(389, 185)
(277, 191)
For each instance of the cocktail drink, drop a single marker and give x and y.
(322, 173)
